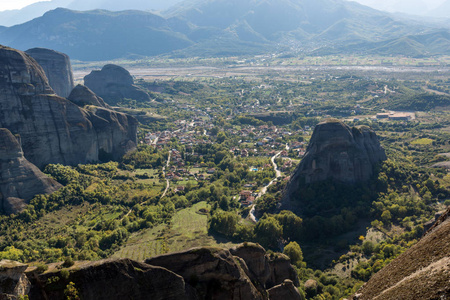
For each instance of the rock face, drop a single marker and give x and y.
(256, 260)
(111, 280)
(215, 273)
(339, 153)
(113, 83)
(81, 95)
(57, 68)
(53, 129)
(198, 273)
(421, 272)
(13, 281)
(20, 180)
(285, 291)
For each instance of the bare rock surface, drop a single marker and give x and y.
(57, 68)
(113, 83)
(81, 95)
(214, 273)
(281, 269)
(112, 280)
(53, 129)
(13, 281)
(421, 272)
(256, 260)
(285, 291)
(337, 152)
(20, 180)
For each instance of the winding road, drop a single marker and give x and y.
(264, 189)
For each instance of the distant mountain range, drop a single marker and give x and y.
(227, 27)
(19, 16)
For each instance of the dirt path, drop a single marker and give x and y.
(264, 189)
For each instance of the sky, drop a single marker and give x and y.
(380, 4)
(16, 4)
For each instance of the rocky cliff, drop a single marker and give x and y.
(20, 180)
(340, 153)
(199, 273)
(421, 272)
(81, 95)
(57, 68)
(53, 129)
(113, 83)
(13, 281)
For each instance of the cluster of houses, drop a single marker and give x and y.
(186, 134)
(247, 197)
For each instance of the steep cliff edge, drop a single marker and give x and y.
(339, 153)
(81, 95)
(57, 68)
(20, 180)
(53, 129)
(113, 83)
(421, 272)
(198, 273)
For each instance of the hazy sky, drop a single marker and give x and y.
(383, 4)
(16, 4)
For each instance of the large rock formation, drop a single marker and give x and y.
(57, 68)
(20, 180)
(113, 83)
(110, 280)
(81, 95)
(53, 129)
(337, 152)
(199, 273)
(215, 273)
(284, 291)
(13, 281)
(421, 272)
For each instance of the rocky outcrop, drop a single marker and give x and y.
(421, 272)
(256, 260)
(57, 68)
(214, 273)
(281, 269)
(111, 280)
(285, 291)
(81, 95)
(13, 281)
(113, 83)
(198, 273)
(53, 129)
(20, 180)
(337, 152)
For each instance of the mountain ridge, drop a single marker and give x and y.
(217, 28)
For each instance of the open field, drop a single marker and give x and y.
(188, 229)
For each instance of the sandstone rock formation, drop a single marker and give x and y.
(284, 291)
(13, 281)
(198, 273)
(267, 270)
(81, 95)
(421, 272)
(20, 180)
(281, 269)
(57, 68)
(113, 83)
(110, 280)
(53, 129)
(215, 273)
(337, 152)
